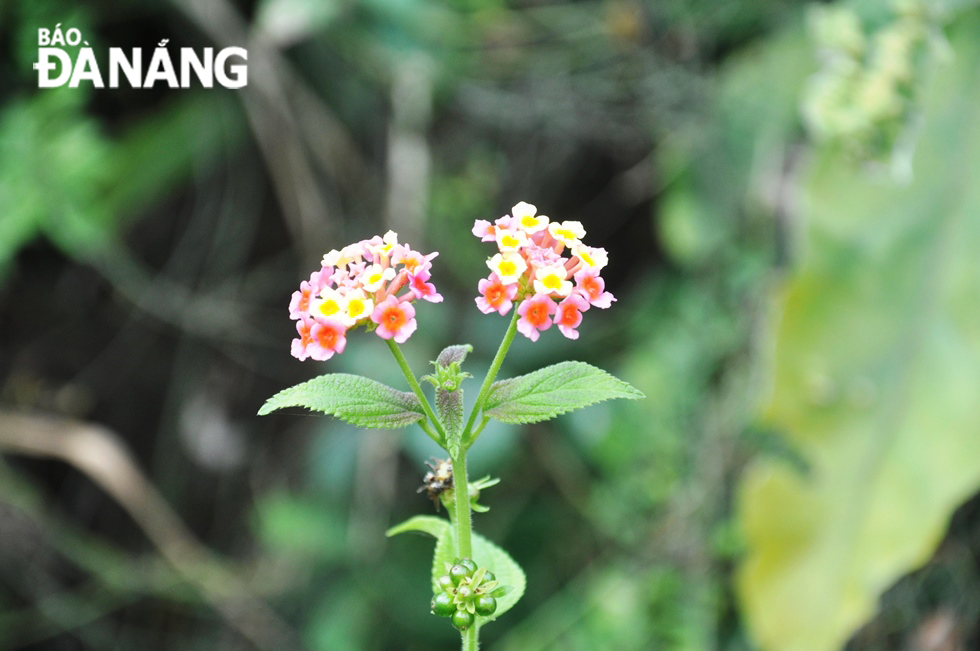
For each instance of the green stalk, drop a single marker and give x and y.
(412, 382)
(498, 359)
(463, 521)
(471, 639)
(424, 424)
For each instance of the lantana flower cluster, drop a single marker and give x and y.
(544, 265)
(360, 285)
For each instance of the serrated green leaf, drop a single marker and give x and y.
(552, 391)
(449, 409)
(449, 397)
(353, 398)
(452, 354)
(485, 554)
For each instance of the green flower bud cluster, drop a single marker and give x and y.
(863, 95)
(465, 592)
(448, 377)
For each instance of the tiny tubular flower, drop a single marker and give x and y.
(526, 217)
(507, 221)
(300, 346)
(331, 258)
(359, 306)
(552, 280)
(380, 247)
(592, 258)
(535, 315)
(350, 253)
(510, 241)
(593, 288)
(331, 304)
(413, 260)
(509, 266)
(299, 304)
(496, 296)
(327, 337)
(568, 233)
(568, 315)
(374, 280)
(422, 288)
(391, 240)
(395, 319)
(484, 230)
(375, 276)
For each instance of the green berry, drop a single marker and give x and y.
(462, 620)
(486, 605)
(458, 572)
(489, 576)
(442, 605)
(446, 583)
(469, 565)
(464, 592)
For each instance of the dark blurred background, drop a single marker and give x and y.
(788, 196)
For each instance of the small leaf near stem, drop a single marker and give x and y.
(412, 382)
(498, 360)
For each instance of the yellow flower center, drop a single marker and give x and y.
(329, 307)
(356, 308)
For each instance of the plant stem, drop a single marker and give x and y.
(483, 423)
(471, 639)
(498, 359)
(461, 494)
(412, 382)
(463, 521)
(424, 424)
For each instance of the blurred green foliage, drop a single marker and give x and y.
(149, 241)
(876, 378)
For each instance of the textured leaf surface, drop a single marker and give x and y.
(876, 381)
(452, 354)
(485, 553)
(353, 398)
(449, 409)
(552, 391)
(449, 404)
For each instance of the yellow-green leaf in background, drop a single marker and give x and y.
(876, 379)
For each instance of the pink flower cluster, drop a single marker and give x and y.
(359, 285)
(530, 267)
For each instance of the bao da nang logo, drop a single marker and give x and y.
(56, 66)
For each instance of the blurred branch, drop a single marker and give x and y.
(63, 611)
(205, 314)
(409, 163)
(286, 115)
(97, 452)
(409, 154)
